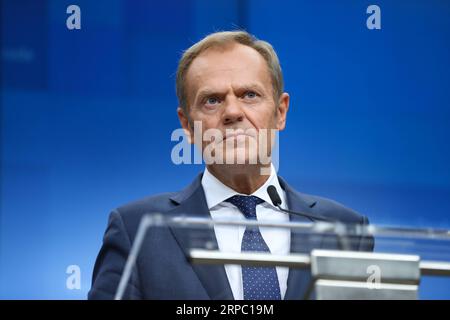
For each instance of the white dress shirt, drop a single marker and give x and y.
(229, 238)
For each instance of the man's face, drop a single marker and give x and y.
(229, 89)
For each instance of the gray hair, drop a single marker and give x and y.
(224, 38)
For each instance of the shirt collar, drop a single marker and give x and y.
(216, 192)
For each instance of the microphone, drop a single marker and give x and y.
(276, 200)
(343, 242)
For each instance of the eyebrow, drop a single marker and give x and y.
(211, 92)
(252, 86)
(206, 93)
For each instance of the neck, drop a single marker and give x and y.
(242, 179)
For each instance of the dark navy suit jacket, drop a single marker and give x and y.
(162, 270)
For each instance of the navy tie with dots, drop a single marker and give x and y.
(260, 283)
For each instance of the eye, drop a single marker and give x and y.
(250, 95)
(212, 101)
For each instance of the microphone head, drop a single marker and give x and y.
(274, 196)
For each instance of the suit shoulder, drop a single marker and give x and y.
(158, 203)
(323, 206)
(331, 208)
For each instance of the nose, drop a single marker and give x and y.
(232, 112)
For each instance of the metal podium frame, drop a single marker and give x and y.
(335, 274)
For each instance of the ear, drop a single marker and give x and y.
(185, 124)
(282, 109)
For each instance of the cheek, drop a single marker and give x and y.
(263, 119)
(197, 117)
(202, 123)
(209, 122)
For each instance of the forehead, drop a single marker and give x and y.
(219, 67)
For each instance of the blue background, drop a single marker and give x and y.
(86, 117)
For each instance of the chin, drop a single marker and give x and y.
(241, 156)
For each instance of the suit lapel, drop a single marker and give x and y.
(192, 202)
(299, 280)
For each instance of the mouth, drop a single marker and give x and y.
(235, 134)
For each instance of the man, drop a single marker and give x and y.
(230, 84)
